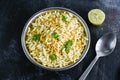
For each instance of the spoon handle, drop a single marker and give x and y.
(84, 75)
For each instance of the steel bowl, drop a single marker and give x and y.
(34, 17)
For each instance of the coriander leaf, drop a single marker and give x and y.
(68, 45)
(64, 18)
(55, 35)
(52, 57)
(36, 37)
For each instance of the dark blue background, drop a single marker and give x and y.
(15, 66)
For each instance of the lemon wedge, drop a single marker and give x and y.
(96, 16)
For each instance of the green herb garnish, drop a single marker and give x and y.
(68, 45)
(36, 37)
(64, 18)
(52, 57)
(55, 35)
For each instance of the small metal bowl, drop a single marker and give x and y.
(34, 17)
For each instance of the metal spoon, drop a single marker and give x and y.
(104, 46)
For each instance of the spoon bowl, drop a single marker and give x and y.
(106, 44)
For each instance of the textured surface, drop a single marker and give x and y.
(15, 66)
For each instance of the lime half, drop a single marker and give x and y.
(96, 16)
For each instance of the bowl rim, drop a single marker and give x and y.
(34, 17)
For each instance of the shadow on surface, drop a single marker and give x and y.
(118, 74)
